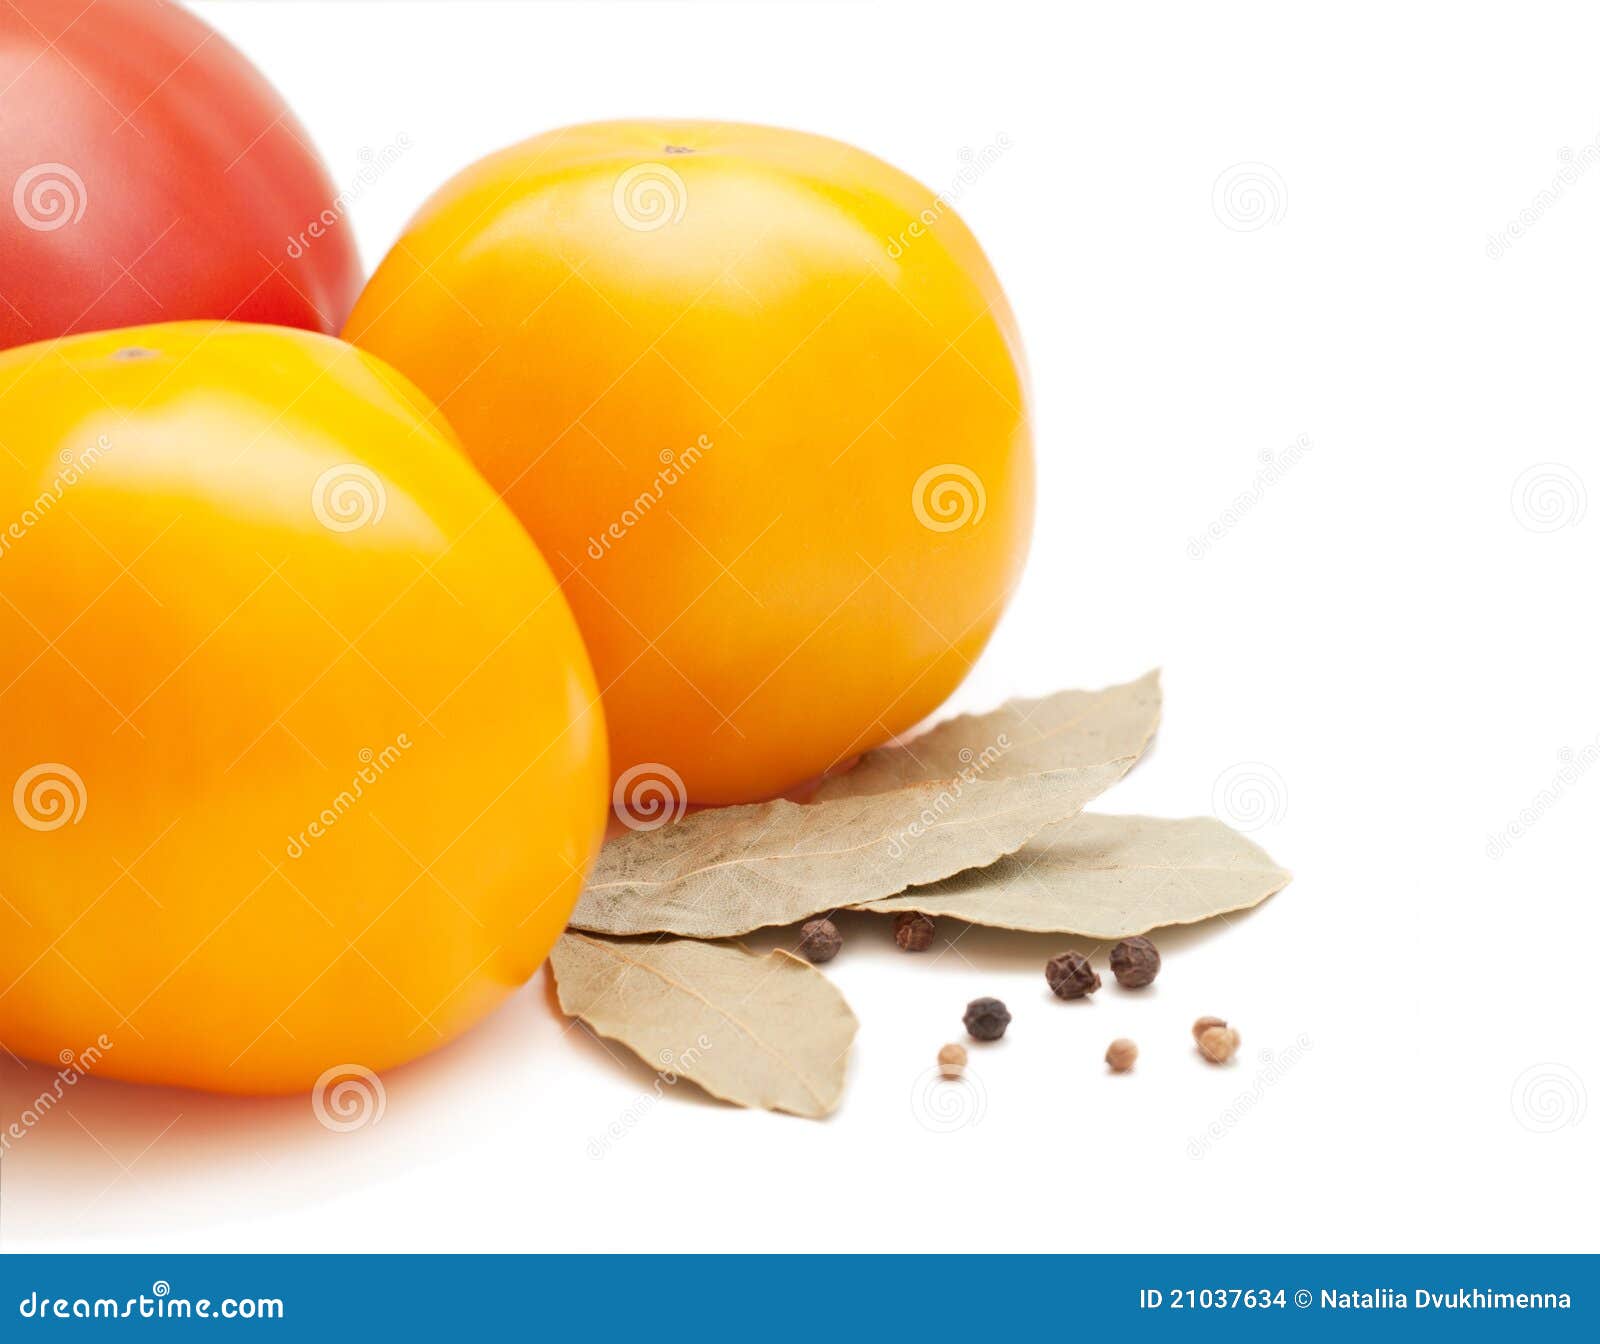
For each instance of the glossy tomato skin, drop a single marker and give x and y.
(760, 399)
(151, 174)
(301, 752)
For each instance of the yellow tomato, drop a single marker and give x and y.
(303, 755)
(760, 400)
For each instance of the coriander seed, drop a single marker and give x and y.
(1135, 961)
(913, 932)
(819, 941)
(1071, 976)
(1120, 1054)
(986, 1019)
(952, 1060)
(1219, 1044)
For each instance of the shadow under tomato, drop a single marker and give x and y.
(87, 1157)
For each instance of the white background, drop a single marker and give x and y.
(1397, 635)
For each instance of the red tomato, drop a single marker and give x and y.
(149, 173)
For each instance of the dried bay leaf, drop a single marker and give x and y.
(1107, 877)
(958, 797)
(1067, 730)
(724, 872)
(766, 1031)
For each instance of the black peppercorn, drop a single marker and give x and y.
(986, 1019)
(1071, 976)
(819, 940)
(1135, 961)
(913, 932)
